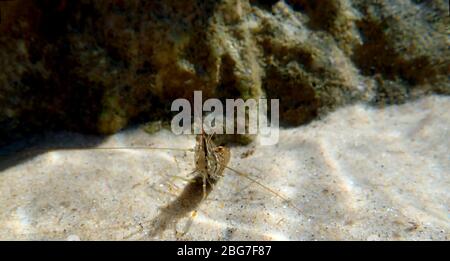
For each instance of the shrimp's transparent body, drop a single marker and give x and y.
(210, 160)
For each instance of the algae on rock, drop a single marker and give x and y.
(99, 65)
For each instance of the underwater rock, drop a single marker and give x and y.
(98, 65)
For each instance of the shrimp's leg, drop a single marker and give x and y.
(204, 187)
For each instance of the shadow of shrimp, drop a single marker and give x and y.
(188, 201)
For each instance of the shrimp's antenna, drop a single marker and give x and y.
(264, 186)
(120, 148)
(38, 150)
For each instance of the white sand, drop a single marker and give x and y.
(361, 173)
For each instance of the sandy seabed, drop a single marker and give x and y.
(360, 173)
